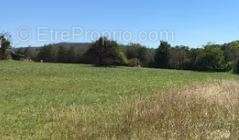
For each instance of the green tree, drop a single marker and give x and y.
(162, 55)
(179, 57)
(236, 67)
(231, 50)
(143, 55)
(71, 55)
(5, 45)
(30, 52)
(211, 58)
(105, 52)
(47, 53)
(62, 55)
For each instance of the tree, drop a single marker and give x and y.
(236, 67)
(71, 55)
(179, 57)
(193, 54)
(62, 55)
(211, 58)
(162, 55)
(143, 55)
(231, 51)
(30, 53)
(47, 54)
(5, 45)
(105, 52)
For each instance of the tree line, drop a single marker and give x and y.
(106, 52)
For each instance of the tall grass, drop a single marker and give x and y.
(200, 112)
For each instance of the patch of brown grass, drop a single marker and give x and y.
(207, 111)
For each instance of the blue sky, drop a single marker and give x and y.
(192, 22)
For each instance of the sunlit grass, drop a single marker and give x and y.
(72, 101)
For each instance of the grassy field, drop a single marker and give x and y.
(73, 101)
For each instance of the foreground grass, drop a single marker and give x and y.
(208, 111)
(66, 101)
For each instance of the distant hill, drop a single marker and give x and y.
(32, 52)
(62, 44)
(66, 44)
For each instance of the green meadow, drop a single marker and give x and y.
(76, 101)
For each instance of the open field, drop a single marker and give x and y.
(70, 101)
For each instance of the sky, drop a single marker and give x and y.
(180, 22)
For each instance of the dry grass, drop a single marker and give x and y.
(201, 112)
(209, 111)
